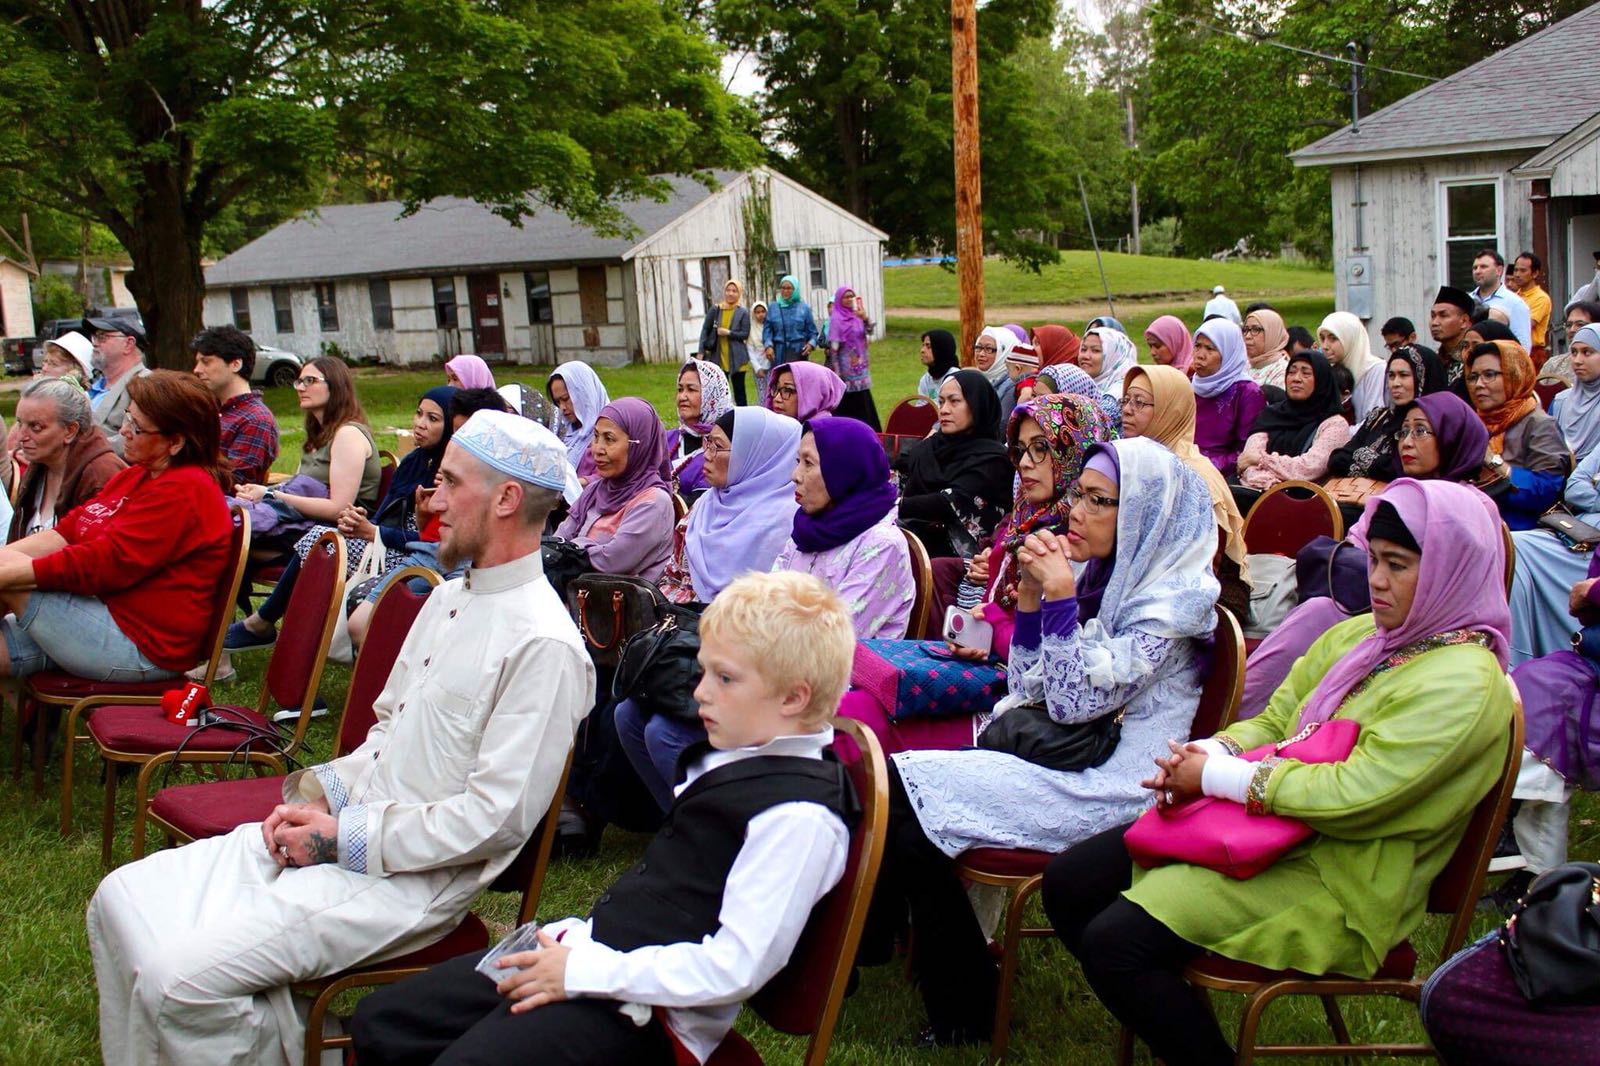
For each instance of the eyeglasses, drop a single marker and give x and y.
(1093, 503)
(1036, 450)
(786, 391)
(1253, 329)
(1486, 376)
(135, 429)
(711, 447)
(986, 348)
(1394, 346)
(1417, 433)
(1136, 403)
(303, 383)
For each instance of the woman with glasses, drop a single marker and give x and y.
(956, 484)
(1525, 444)
(624, 518)
(1110, 614)
(123, 588)
(989, 355)
(1227, 401)
(1266, 344)
(1369, 460)
(804, 391)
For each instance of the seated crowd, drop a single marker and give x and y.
(1021, 608)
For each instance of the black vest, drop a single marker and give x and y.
(674, 893)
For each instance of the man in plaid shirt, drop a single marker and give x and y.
(224, 358)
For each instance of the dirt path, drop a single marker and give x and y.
(1082, 310)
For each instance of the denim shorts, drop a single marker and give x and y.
(64, 631)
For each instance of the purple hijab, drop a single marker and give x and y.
(1462, 436)
(818, 390)
(647, 461)
(845, 327)
(742, 526)
(856, 472)
(1461, 583)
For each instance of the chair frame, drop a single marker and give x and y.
(372, 975)
(43, 701)
(148, 763)
(143, 815)
(1477, 846)
(1317, 491)
(922, 582)
(1022, 888)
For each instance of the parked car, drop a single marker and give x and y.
(18, 354)
(275, 366)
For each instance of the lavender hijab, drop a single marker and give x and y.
(742, 526)
(856, 473)
(1460, 585)
(646, 467)
(473, 372)
(818, 390)
(1235, 364)
(1462, 436)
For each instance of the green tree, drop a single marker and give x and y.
(158, 118)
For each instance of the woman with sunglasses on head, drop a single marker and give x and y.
(1113, 651)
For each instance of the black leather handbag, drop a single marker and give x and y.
(563, 562)
(659, 668)
(1552, 939)
(610, 608)
(1029, 733)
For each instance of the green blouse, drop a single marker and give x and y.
(1432, 743)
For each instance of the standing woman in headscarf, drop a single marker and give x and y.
(722, 337)
(1266, 343)
(804, 391)
(956, 484)
(703, 397)
(1170, 344)
(1370, 452)
(1577, 409)
(468, 372)
(939, 356)
(1525, 444)
(847, 357)
(1158, 402)
(579, 394)
(790, 329)
(1345, 342)
(989, 353)
(1227, 400)
(1107, 356)
(624, 518)
(1295, 436)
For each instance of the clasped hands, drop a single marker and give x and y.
(352, 522)
(1178, 774)
(301, 834)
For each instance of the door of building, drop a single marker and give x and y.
(488, 316)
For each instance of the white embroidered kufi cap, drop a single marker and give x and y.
(520, 449)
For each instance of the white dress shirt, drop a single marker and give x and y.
(1516, 309)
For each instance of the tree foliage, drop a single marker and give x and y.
(164, 118)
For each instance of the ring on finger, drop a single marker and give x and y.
(1168, 795)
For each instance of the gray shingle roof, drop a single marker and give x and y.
(1522, 97)
(354, 240)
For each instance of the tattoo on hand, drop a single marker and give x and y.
(323, 849)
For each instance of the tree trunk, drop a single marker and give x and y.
(166, 281)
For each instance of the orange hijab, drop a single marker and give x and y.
(1517, 372)
(1056, 344)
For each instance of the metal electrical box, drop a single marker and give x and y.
(1358, 286)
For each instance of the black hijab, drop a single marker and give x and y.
(1291, 425)
(973, 460)
(1427, 369)
(943, 344)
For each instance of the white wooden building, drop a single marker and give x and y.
(454, 277)
(16, 298)
(1498, 155)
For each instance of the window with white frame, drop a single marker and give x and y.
(1471, 211)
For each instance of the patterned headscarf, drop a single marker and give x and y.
(1070, 424)
(716, 398)
(1517, 372)
(1069, 377)
(1118, 354)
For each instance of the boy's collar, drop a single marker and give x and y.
(802, 745)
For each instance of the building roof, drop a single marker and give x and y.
(1520, 98)
(447, 234)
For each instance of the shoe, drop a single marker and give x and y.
(1507, 853)
(318, 710)
(1505, 897)
(240, 638)
(959, 1036)
(577, 832)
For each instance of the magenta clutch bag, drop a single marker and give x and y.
(1219, 833)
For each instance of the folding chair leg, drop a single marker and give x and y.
(1010, 949)
(69, 749)
(16, 741)
(1330, 1007)
(41, 734)
(108, 816)
(1255, 1006)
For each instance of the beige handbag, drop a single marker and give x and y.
(1354, 490)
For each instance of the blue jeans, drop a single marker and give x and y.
(64, 631)
(653, 745)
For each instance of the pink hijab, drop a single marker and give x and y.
(473, 372)
(1461, 584)
(1170, 331)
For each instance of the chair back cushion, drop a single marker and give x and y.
(303, 634)
(1288, 517)
(392, 616)
(912, 418)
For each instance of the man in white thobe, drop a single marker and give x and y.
(382, 851)
(1220, 304)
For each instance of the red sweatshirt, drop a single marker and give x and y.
(154, 551)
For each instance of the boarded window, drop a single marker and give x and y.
(819, 269)
(1472, 223)
(282, 309)
(445, 315)
(382, 303)
(241, 308)
(592, 295)
(538, 285)
(783, 268)
(327, 307)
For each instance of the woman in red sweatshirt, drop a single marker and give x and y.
(123, 587)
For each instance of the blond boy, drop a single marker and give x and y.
(757, 834)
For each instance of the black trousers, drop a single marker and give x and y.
(736, 379)
(950, 957)
(451, 1015)
(1133, 962)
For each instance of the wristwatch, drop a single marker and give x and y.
(1496, 461)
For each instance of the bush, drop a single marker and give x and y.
(54, 297)
(1164, 236)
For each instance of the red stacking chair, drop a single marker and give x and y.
(135, 732)
(1454, 892)
(912, 418)
(1289, 516)
(471, 935)
(212, 808)
(1021, 870)
(1547, 391)
(805, 996)
(52, 692)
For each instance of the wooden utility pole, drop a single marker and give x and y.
(969, 198)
